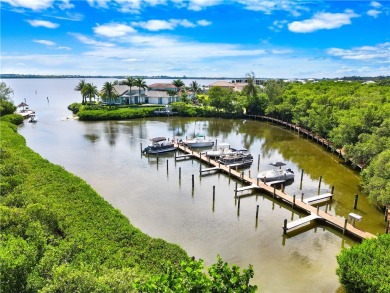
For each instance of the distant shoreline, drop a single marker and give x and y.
(37, 76)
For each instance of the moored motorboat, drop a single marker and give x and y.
(276, 174)
(240, 159)
(221, 149)
(159, 145)
(198, 142)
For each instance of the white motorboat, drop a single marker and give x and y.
(276, 174)
(198, 142)
(159, 145)
(220, 150)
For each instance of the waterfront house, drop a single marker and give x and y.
(125, 97)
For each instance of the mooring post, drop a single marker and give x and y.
(157, 162)
(285, 226)
(283, 186)
(242, 175)
(249, 174)
(318, 209)
(274, 192)
(230, 170)
(258, 162)
(319, 185)
(141, 147)
(175, 156)
(257, 181)
(200, 167)
(345, 226)
(216, 142)
(179, 173)
(355, 202)
(213, 193)
(235, 191)
(167, 166)
(332, 190)
(257, 212)
(302, 197)
(293, 203)
(193, 181)
(238, 207)
(300, 186)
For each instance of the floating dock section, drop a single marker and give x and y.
(254, 183)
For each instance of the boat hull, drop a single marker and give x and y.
(155, 151)
(272, 175)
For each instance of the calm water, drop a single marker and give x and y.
(107, 156)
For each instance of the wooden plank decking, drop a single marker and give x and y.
(301, 221)
(318, 197)
(338, 223)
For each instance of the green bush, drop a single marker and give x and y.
(75, 107)
(365, 268)
(16, 119)
(116, 113)
(6, 107)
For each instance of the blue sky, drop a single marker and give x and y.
(204, 38)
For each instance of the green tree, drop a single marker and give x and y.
(376, 179)
(89, 91)
(79, 88)
(5, 92)
(6, 104)
(365, 268)
(179, 84)
(190, 278)
(130, 82)
(221, 98)
(109, 92)
(141, 84)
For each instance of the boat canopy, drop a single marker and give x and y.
(158, 139)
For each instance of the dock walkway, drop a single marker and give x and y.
(340, 224)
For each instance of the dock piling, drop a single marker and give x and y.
(235, 190)
(257, 212)
(293, 203)
(345, 226)
(193, 182)
(141, 148)
(213, 193)
(285, 226)
(167, 166)
(301, 178)
(319, 185)
(179, 173)
(258, 162)
(302, 196)
(355, 202)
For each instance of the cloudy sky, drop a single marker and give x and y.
(197, 38)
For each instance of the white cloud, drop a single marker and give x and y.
(44, 42)
(113, 30)
(273, 5)
(374, 13)
(88, 41)
(44, 23)
(157, 25)
(203, 22)
(64, 4)
(277, 25)
(375, 4)
(30, 4)
(322, 20)
(98, 3)
(64, 48)
(198, 5)
(381, 53)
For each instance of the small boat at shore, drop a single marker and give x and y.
(159, 145)
(33, 118)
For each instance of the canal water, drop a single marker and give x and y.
(149, 192)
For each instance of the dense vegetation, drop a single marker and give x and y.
(365, 268)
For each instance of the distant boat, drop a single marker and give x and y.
(276, 174)
(159, 145)
(33, 118)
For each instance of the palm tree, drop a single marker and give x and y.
(130, 82)
(108, 92)
(79, 88)
(195, 87)
(89, 91)
(178, 83)
(250, 88)
(140, 82)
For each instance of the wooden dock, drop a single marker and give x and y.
(299, 222)
(317, 198)
(337, 223)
